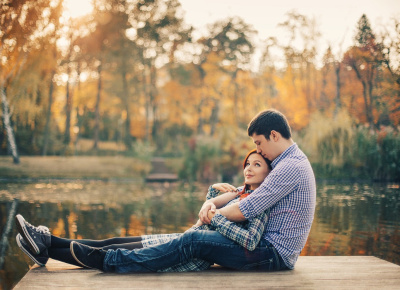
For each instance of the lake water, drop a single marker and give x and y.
(350, 219)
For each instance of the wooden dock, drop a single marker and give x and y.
(160, 172)
(312, 272)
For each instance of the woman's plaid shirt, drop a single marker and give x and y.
(246, 234)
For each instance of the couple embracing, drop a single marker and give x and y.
(262, 225)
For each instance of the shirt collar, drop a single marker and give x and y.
(284, 154)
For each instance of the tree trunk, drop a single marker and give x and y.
(46, 132)
(235, 99)
(79, 119)
(214, 117)
(68, 109)
(6, 231)
(153, 103)
(338, 103)
(366, 91)
(97, 111)
(7, 124)
(200, 124)
(125, 98)
(147, 103)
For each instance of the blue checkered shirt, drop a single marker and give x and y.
(289, 191)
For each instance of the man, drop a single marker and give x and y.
(289, 193)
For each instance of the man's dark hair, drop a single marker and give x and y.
(266, 121)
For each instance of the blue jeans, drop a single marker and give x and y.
(206, 245)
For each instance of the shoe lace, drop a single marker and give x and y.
(43, 229)
(40, 229)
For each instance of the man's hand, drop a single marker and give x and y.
(203, 214)
(210, 214)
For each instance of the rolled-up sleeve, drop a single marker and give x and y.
(279, 183)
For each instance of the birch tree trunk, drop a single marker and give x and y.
(7, 124)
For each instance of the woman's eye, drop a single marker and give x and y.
(247, 164)
(258, 164)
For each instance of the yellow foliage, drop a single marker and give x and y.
(291, 101)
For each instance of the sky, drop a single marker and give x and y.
(336, 19)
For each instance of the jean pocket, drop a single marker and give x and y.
(264, 265)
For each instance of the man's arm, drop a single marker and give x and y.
(231, 212)
(215, 201)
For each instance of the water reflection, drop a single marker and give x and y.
(357, 219)
(351, 219)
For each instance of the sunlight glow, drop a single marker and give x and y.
(77, 8)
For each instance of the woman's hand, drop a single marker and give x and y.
(224, 187)
(203, 214)
(198, 224)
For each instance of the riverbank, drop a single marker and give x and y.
(74, 167)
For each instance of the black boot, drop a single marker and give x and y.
(87, 256)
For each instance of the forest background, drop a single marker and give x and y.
(129, 79)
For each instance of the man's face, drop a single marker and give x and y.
(264, 147)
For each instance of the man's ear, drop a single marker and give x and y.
(275, 135)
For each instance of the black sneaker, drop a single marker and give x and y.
(87, 256)
(37, 238)
(40, 259)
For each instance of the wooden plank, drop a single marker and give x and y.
(311, 273)
(162, 177)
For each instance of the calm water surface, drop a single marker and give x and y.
(350, 219)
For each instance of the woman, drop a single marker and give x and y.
(39, 244)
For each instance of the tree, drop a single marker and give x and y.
(300, 53)
(20, 21)
(390, 42)
(160, 30)
(228, 48)
(94, 48)
(365, 59)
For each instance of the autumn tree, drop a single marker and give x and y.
(365, 60)
(299, 83)
(158, 31)
(20, 22)
(390, 41)
(51, 63)
(228, 48)
(94, 50)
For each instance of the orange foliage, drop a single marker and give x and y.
(291, 101)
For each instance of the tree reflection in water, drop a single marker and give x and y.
(350, 219)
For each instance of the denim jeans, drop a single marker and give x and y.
(206, 245)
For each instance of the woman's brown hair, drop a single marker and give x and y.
(242, 193)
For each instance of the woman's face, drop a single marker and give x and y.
(255, 171)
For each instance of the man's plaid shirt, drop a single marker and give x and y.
(289, 191)
(246, 234)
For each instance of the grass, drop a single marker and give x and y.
(74, 167)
